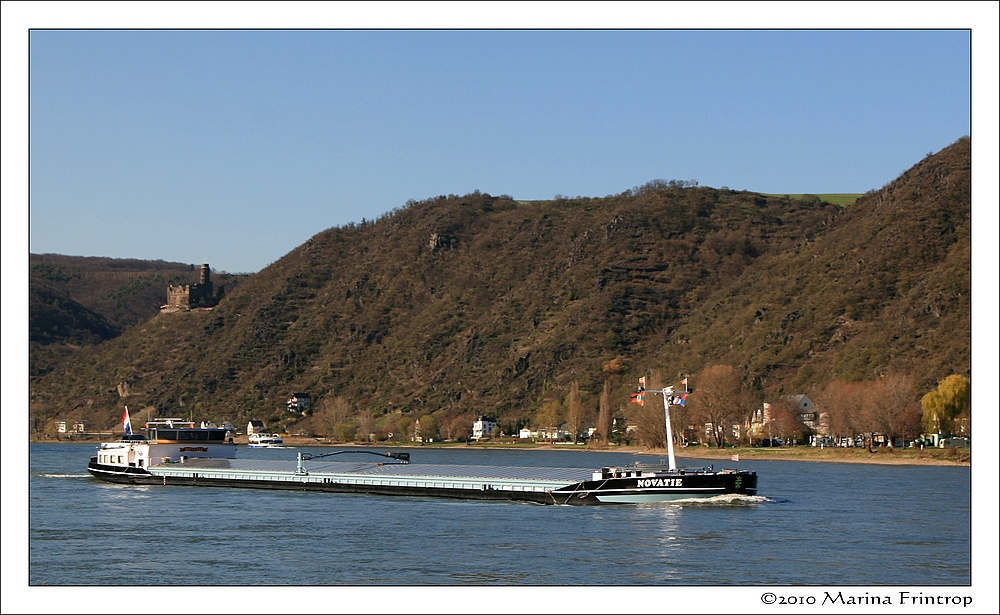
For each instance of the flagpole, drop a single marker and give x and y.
(670, 437)
(638, 398)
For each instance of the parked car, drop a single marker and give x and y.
(771, 442)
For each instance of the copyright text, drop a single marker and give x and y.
(866, 599)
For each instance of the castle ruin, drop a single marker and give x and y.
(192, 295)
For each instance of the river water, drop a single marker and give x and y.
(812, 524)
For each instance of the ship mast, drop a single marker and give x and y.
(667, 394)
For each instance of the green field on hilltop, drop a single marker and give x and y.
(840, 198)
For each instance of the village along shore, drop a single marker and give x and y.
(877, 456)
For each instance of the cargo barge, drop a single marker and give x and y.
(629, 484)
(171, 455)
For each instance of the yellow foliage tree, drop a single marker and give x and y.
(947, 409)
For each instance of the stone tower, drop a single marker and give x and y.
(192, 295)
(205, 281)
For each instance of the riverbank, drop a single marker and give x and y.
(878, 456)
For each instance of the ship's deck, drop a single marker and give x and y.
(438, 476)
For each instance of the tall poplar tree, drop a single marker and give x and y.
(604, 418)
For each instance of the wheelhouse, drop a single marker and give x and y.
(185, 434)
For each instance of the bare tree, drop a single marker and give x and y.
(459, 427)
(366, 424)
(842, 401)
(890, 399)
(785, 422)
(333, 410)
(649, 420)
(719, 399)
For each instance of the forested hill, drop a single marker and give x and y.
(472, 304)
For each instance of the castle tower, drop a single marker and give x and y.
(192, 295)
(205, 284)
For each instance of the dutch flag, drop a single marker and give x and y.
(127, 423)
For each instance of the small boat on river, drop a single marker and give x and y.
(264, 440)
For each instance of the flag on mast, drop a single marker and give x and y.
(642, 383)
(637, 398)
(127, 423)
(685, 383)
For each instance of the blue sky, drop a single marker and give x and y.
(234, 147)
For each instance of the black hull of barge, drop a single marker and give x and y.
(621, 490)
(116, 474)
(662, 488)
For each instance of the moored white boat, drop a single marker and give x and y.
(264, 440)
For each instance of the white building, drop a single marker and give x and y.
(483, 427)
(553, 434)
(298, 402)
(816, 421)
(805, 409)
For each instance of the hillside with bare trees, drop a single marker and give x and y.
(457, 306)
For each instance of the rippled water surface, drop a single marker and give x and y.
(812, 523)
